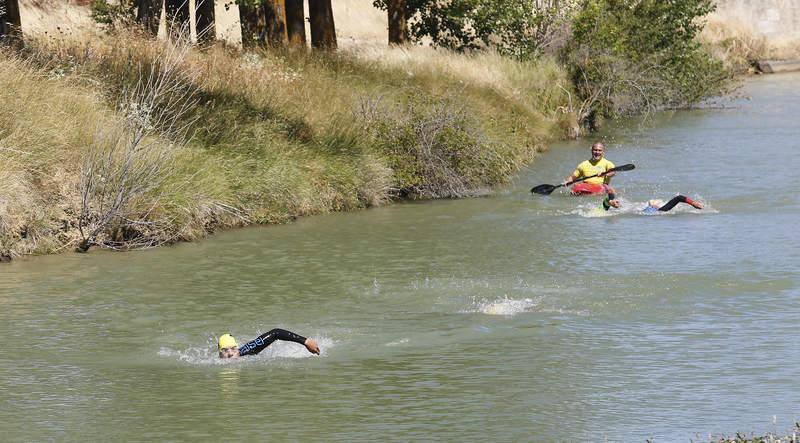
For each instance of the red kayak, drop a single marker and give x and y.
(584, 188)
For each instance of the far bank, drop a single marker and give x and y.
(122, 141)
(133, 143)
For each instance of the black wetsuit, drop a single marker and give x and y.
(670, 204)
(260, 343)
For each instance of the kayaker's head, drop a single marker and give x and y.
(597, 151)
(227, 346)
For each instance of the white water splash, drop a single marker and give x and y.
(595, 210)
(504, 306)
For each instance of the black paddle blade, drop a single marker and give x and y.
(543, 189)
(627, 167)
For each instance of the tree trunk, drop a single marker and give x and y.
(10, 25)
(275, 15)
(83, 245)
(323, 31)
(253, 24)
(177, 18)
(398, 29)
(148, 14)
(205, 21)
(295, 22)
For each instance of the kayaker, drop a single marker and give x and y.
(653, 206)
(229, 349)
(595, 165)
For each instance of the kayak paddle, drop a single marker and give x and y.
(547, 189)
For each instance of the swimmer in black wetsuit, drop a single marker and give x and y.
(229, 349)
(652, 205)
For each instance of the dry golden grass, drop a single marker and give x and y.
(275, 134)
(740, 46)
(43, 130)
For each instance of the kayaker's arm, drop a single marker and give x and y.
(607, 176)
(574, 176)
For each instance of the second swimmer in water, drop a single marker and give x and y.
(653, 206)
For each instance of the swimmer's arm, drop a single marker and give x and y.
(261, 342)
(680, 199)
(611, 197)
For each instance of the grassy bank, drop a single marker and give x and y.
(128, 142)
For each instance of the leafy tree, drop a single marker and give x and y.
(520, 28)
(632, 56)
(398, 26)
(323, 30)
(253, 22)
(148, 14)
(295, 22)
(113, 14)
(205, 20)
(177, 15)
(10, 24)
(273, 22)
(637, 29)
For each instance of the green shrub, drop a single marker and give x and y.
(435, 148)
(115, 13)
(633, 56)
(523, 29)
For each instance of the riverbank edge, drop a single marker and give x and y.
(778, 66)
(505, 112)
(336, 132)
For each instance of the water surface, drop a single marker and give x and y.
(511, 317)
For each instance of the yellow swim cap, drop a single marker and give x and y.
(226, 341)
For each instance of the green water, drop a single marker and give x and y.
(507, 318)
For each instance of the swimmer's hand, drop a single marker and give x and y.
(689, 201)
(312, 346)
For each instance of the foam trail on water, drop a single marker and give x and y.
(504, 306)
(594, 210)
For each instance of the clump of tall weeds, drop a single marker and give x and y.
(124, 170)
(43, 128)
(435, 148)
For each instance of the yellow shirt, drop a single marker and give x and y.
(587, 168)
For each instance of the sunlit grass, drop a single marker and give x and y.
(274, 134)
